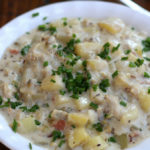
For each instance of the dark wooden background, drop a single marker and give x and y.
(9, 9)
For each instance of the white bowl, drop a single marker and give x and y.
(88, 9)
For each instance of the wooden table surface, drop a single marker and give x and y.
(9, 9)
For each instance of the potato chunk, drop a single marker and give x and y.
(112, 25)
(61, 99)
(130, 115)
(87, 49)
(77, 137)
(78, 119)
(82, 103)
(144, 100)
(121, 81)
(52, 83)
(27, 125)
(93, 142)
(97, 64)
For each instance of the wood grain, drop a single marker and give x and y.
(10, 9)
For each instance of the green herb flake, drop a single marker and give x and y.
(54, 46)
(44, 18)
(35, 14)
(42, 27)
(146, 75)
(146, 44)
(52, 80)
(95, 86)
(62, 92)
(52, 30)
(61, 143)
(25, 50)
(128, 51)
(132, 28)
(93, 105)
(30, 146)
(147, 58)
(148, 91)
(14, 125)
(73, 126)
(115, 48)
(112, 139)
(37, 122)
(56, 134)
(115, 74)
(124, 58)
(98, 126)
(104, 85)
(104, 54)
(139, 62)
(1, 100)
(123, 103)
(132, 65)
(16, 95)
(65, 23)
(45, 64)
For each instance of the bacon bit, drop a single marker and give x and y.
(60, 125)
(14, 51)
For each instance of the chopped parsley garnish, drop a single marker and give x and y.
(73, 61)
(37, 122)
(75, 96)
(132, 28)
(35, 14)
(139, 62)
(128, 51)
(56, 134)
(32, 109)
(115, 74)
(61, 143)
(147, 58)
(52, 80)
(146, 75)
(65, 23)
(15, 104)
(45, 64)
(104, 85)
(146, 44)
(123, 103)
(54, 46)
(1, 100)
(93, 105)
(124, 58)
(44, 18)
(95, 86)
(14, 125)
(104, 54)
(148, 91)
(112, 139)
(42, 27)
(25, 50)
(30, 146)
(62, 92)
(76, 84)
(52, 29)
(132, 65)
(115, 48)
(73, 126)
(98, 126)
(16, 95)
(69, 48)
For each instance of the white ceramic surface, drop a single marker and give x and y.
(87, 9)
